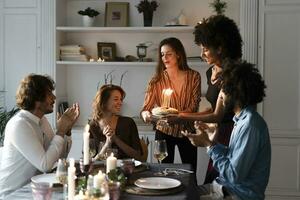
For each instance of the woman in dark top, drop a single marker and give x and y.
(108, 126)
(219, 39)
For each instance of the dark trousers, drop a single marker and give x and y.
(187, 151)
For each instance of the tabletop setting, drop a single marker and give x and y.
(112, 178)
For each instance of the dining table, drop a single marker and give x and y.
(181, 172)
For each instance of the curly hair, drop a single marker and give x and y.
(101, 99)
(219, 31)
(33, 88)
(243, 83)
(177, 46)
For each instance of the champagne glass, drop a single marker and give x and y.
(160, 152)
(61, 171)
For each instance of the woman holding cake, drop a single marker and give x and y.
(108, 126)
(173, 72)
(219, 38)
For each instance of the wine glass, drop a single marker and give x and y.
(160, 152)
(61, 171)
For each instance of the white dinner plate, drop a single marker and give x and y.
(48, 178)
(136, 163)
(158, 183)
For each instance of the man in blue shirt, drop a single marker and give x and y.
(244, 165)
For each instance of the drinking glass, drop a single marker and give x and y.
(160, 152)
(41, 190)
(114, 190)
(61, 171)
(127, 166)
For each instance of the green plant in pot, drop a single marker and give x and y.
(4, 118)
(147, 8)
(219, 6)
(88, 16)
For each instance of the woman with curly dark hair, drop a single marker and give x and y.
(108, 126)
(220, 40)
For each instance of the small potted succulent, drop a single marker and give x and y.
(219, 6)
(147, 8)
(88, 16)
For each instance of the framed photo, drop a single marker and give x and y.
(106, 50)
(116, 14)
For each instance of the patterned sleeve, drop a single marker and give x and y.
(150, 97)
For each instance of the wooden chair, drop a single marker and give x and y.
(144, 144)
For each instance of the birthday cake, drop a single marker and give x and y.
(164, 111)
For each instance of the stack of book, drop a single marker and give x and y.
(72, 53)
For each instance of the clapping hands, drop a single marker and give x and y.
(107, 131)
(205, 134)
(66, 121)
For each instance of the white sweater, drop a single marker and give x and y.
(30, 147)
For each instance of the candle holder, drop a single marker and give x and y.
(141, 51)
(85, 169)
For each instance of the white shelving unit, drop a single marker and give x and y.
(78, 81)
(151, 64)
(164, 29)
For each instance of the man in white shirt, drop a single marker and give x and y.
(30, 145)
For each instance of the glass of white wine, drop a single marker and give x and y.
(160, 152)
(61, 171)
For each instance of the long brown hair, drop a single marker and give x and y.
(177, 46)
(101, 99)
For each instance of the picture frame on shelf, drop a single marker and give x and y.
(116, 14)
(106, 50)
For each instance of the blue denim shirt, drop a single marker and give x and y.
(244, 165)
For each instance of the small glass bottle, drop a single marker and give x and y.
(90, 186)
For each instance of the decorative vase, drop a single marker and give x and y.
(88, 21)
(148, 16)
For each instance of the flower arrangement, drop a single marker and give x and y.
(117, 175)
(147, 6)
(219, 6)
(89, 12)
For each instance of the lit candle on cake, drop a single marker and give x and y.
(86, 145)
(166, 97)
(111, 162)
(71, 179)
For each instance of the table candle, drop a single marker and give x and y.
(98, 179)
(166, 97)
(86, 145)
(80, 196)
(111, 162)
(71, 179)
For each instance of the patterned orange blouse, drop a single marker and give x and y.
(188, 100)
